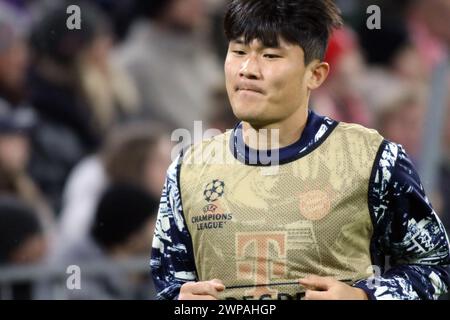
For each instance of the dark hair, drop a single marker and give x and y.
(18, 222)
(122, 211)
(382, 46)
(152, 8)
(127, 148)
(307, 23)
(51, 38)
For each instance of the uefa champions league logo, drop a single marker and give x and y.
(214, 190)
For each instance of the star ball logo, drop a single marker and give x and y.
(214, 190)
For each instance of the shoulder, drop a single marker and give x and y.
(207, 150)
(199, 153)
(357, 136)
(357, 129)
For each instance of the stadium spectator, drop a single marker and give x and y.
(341, 97)
(401, 117)
(15, 127)
(22, 242)
(134, 153)
(77, 93)
(13, 56)
(122, 228)
(173, 68)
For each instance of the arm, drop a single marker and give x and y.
(407, 229)
(172, 261)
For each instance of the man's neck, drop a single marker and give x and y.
(275, 135)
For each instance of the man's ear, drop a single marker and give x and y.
(317, 73)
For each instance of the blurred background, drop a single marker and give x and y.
(86, 118)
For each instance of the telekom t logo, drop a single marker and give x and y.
(261, 256)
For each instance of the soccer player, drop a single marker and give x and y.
(318, 210)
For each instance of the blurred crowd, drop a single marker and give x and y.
(86, 117)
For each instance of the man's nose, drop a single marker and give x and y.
(250, 69)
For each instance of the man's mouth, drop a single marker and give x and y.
(250, 88)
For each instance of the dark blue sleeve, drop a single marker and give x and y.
(407, 231)
(172, 262)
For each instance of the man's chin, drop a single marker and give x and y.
(247, 118)
(254, 122)
(254, 116)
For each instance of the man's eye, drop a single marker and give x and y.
(271, 56)
(239, 52)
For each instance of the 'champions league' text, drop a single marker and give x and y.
(211, 220)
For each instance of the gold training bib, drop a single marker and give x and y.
(260, 233)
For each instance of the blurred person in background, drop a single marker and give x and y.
(122, 228)
(15, 128)
(77, 92)
(392, 48)
(341, 95)
(400, 117)
(412, 41)
(393, 60)
(174, 69)
(22, 242)
(133, 153)
(13, 57)
(17, 119)
(121, 13)
(428, 23)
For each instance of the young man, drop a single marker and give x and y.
(313, 216)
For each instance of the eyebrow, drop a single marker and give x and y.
(241, 41)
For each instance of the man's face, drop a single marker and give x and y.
(14, 152)
(13, 64)
(265, 85)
